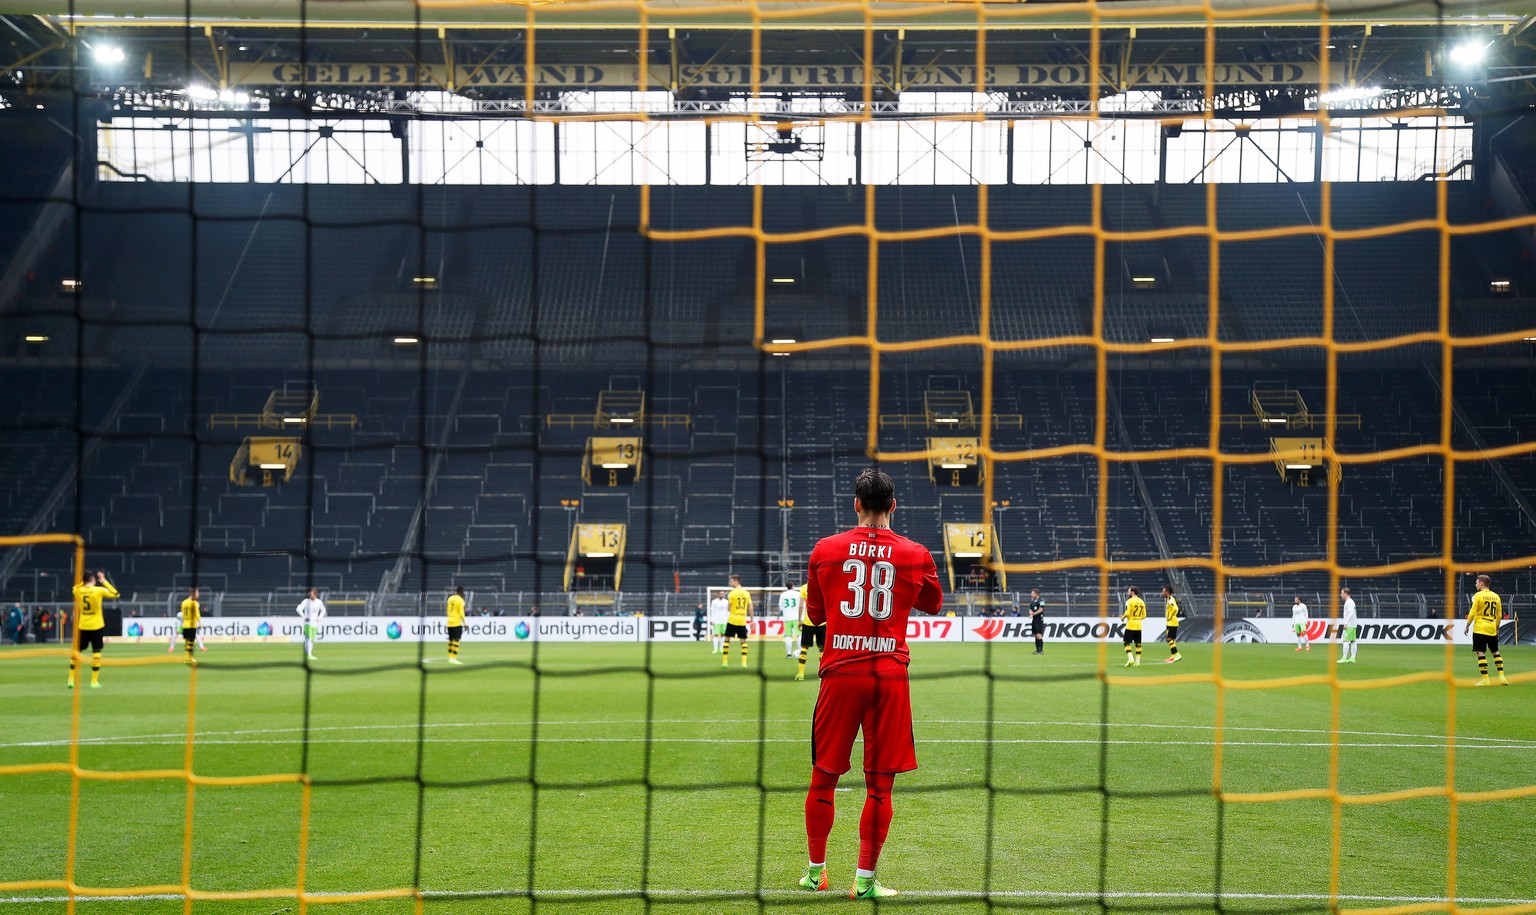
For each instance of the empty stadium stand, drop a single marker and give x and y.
(529, 301)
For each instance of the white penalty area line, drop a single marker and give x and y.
(663, 895)
(718, 741)
(1466, 742)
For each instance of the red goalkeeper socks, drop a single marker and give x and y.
(876, 820)
(820, 811)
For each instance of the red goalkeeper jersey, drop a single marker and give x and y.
(863, 584)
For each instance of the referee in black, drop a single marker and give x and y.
(1037, 620)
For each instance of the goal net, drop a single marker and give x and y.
(582, 307)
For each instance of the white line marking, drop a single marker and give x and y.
(329, 741)
(1467, 742)
(683, 894)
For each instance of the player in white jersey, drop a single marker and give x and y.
(311, 611)
(789, 606)
(1347, 624)
(719, 612)
(1299, 623)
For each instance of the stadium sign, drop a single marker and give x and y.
(793, 77)
(1017, 629)
(213, 629)
(974, 630)
(395, 629)
(1375, 631)
(919, 629)
(1246, 629)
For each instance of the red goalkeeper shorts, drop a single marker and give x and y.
(874, 697)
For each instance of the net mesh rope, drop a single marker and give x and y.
(654, 17)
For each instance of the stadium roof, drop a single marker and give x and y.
(363, 54)
(775, 13)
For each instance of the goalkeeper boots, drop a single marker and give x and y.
(815, 878)
(870, 888)
(1482, 682)
(1503, 680)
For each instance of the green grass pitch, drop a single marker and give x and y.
(657, 771)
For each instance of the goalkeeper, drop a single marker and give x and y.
(872, 578)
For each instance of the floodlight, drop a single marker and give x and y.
(967, 555)
(36, 338)
(407, 341)
(1162, 340)
(599, 555)
(1470, 53)
(273, 466)
(1350, 94)
(617, 465)
(108, 54)
(1298, 466)
(953, 466)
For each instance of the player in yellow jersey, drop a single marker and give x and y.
(175, 635)
(1171, 616)
(1135, 614)
(191, 618)
(736, 624)
(1483, 620)
(90, 628)
(810, 634)
(455, 623)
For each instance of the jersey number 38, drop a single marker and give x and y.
(871, 587)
